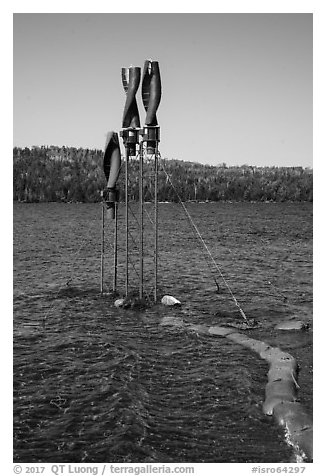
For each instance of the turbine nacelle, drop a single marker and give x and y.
(151, 91)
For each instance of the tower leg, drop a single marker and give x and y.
(155, 223)
(115, 252)
(102, 249)
(127, 222)
(141, 224)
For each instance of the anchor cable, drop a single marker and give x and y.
(201, 239)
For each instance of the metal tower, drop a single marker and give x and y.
(140, 243)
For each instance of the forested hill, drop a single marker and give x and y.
(69, 174)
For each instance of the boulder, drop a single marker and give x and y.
(170, 301)
(119, 302)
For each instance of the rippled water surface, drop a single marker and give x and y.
(96, 383)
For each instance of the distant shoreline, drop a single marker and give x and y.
(53, 174)
(174, 202)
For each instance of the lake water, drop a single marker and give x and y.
(93, 383)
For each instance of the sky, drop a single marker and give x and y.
(236, 88)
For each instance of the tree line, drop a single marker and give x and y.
(69, 174)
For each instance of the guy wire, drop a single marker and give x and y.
(203, 243)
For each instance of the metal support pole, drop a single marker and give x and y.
(141, 223)
(127, 222)
(102, 250)
(115, 253)
(155, 222)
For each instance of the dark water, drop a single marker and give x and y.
(96, 383)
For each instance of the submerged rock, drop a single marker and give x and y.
(172, 321)
(131, 302)
(220, 331)
(249, 324)
(293, 326)
(198, 328)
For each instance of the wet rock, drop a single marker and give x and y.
(293, 326)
